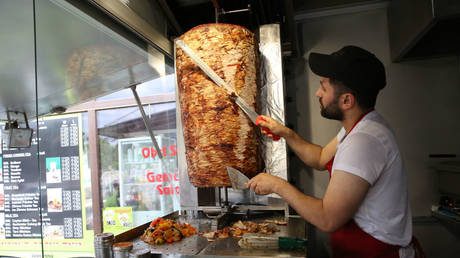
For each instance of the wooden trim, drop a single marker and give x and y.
(117, 103)
(95, 170)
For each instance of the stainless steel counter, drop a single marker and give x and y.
(198, 246)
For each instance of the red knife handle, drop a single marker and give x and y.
(275, 137)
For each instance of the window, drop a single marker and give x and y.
(136, 185)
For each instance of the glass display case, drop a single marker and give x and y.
(148, 184)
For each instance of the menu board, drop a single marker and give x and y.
(45, 177)
(58, 162)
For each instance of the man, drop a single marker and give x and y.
(114, 199)
(365, 207)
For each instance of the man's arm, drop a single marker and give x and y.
(343, 197)
(311, 154)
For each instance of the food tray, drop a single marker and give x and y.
(187, 246)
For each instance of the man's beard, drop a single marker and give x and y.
(331, 111)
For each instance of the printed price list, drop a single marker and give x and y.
(68, 228)
(64, 136)
(67, 200)
(73, 135)
(75, 167)
(76, 200)
(65, 168)
(8, 229)
(77, 228)
(6, 172)
(7, 207)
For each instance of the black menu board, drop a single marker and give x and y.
(46, 176)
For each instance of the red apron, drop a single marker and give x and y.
(351, 241)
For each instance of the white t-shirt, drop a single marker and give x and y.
(370, 152)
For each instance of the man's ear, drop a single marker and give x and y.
(348, 101)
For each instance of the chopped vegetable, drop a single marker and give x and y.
(166, 230)
(159, 241)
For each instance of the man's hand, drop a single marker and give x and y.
(274, 127)
(263, 183)
(343, 197)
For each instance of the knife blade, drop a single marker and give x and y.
(248, 110)
(238, 179)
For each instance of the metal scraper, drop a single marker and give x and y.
(238, 179)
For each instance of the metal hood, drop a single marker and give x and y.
(424, 28)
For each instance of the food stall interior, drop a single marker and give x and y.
(106, 57)
(214, 209)
(76, 58)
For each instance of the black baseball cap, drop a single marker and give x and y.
(357, 68)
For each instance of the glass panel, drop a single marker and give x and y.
(81, 55)
(19, 216)
(17, 80)
(135, 184)
(45, 189)
(153, 87)
(20, 195)
(81, 58)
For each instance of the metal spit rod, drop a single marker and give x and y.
(220, 11)
(146, 122)
(144, 117)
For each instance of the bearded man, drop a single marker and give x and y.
(365, 207)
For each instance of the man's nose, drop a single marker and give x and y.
(318, 94)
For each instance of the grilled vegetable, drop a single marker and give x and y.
(165, 230)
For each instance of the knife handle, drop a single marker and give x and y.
(265, 129)
(291, 242)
